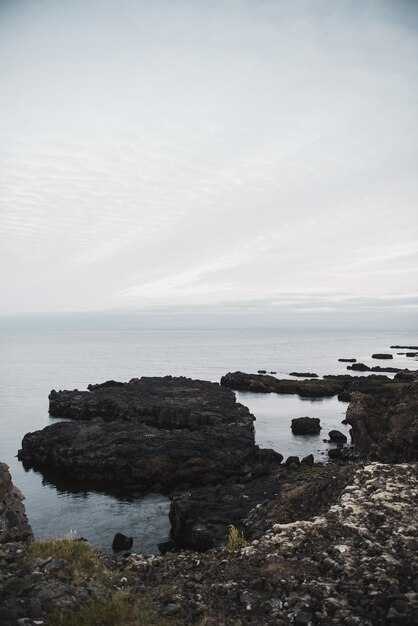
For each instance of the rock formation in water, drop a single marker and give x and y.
(151, 433)
(306, 425)
(317, 388)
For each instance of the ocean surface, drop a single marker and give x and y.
(34, 362)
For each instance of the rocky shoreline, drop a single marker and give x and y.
(314, 544)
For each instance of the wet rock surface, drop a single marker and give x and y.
(154, 434)
(386, 428)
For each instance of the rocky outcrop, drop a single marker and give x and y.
(385, 428)
(14, 524)
(200, 518)
(163, 402)
(304, 374)
(361, 367)
(148, 434)
(306, 425)
(354, 563)
(405, 347)
(318, 388)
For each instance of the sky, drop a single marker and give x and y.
(224, 162)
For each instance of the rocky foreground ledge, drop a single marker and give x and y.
(148, 434)
(355, 564)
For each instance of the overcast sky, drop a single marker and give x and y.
(210, 156)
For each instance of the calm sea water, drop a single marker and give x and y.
(34, 362)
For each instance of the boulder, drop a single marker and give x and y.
(347, 360)
(121, 542)
(380, 355)
(308, 460)
(337, 436)
(292, 460)
(306, 425)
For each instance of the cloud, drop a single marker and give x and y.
(189, 154)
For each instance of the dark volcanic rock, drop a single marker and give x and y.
(360, 367)
(337, 436)
(308, 460)
(200, 518)
(345, 396)
(382, 356)
(292, 460)
(338, 454)
(306, 425)
(318, 388)
(122, 542)
(386, 428)
(347, 360)
(405, 375)
(121, 447)
(166, 402)
(304, 374)
(14, 524)
(405, 347)
(376, 368)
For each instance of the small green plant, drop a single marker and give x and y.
(236, 539)
(294, 498)
(82, 559)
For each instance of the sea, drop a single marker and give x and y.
(34, 362)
